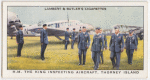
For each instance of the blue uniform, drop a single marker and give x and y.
(83, 44)
(20, 41)
(66, 39)
(97, 47)
(44, 40)
(115, 46)
(73, 39)
(105, 46)
(130, 45)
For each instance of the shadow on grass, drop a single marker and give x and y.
(11, 55)
(36, 44)
(38, 57)
(24, 56)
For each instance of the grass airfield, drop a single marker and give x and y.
(56, 58)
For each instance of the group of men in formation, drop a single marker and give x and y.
(99, 44)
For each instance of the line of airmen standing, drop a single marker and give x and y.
(99, 44)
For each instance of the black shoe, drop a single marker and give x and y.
(102, 62)
(83, 64)
(130, 63)
(95, 68)
(117, 68)
(43, 59)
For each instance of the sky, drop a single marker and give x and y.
(98, 18)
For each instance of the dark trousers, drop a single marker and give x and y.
(72, 45)
(20, 45)
(43, 47)
(130, 55)
(115, 58)
(95, 57)
(101, 57)
(66, 44)
(82, 51)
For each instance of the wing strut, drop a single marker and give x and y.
(58, 38)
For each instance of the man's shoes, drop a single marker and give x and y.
(79, 64)
(130, 63)
(117, 68)
(43, 58)
(114, 66)
(83, 64)
(95, 68)
(102, 62)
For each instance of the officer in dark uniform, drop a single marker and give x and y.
(83, 44)
(73, 38)
(97, 47)
(105, 44)
(116, 46)
(130, 45)
(20, 40)
(67, 35)
(44, 40)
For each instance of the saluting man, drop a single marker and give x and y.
(83, 44)
(97, 47)
(73, 38)
(116, 46)
(130, 45)
(20, 40)
(66, 38)
(105, 44)
(44, 40)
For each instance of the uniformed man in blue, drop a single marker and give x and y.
(105, 44)
(116, 46)
(130, 45)
(83, 44)
(97, 47)
(44, 40)
(73, 38)
(20, 40)
(67, 35)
